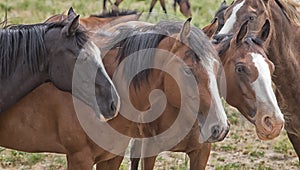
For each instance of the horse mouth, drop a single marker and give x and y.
(269, 135)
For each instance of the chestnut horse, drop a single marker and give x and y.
(95, 22)
(283, 50)
(52, 131)
(243, 57)
(152, 147)
(33, 54)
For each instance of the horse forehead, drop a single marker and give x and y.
(232, 18)
(261, 65)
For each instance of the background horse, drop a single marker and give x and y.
(184, 6)
(283, 50)
(29, 57)
(95, 22)
(242, 56)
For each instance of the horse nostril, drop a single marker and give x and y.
(113, 106)
(216, 130)
(267, 121)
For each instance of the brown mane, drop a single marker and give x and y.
(292, 9)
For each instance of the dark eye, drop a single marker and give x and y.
(240, 69)
(251, 18)
(188, 70)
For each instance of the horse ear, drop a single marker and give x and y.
(185, 31)
(242, 33)
(71, 14)
(223, 4)
(71, 27)
(265, 31)
(210, 29)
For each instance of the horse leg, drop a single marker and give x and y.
(148, 163)
(111, 164)
(104, 6)
(163, 5)
(295, 140)
(292, 127)
(153, 2)
(174, 5)
(116, 5)
(135, 154)
(80, 160)
(199, 157)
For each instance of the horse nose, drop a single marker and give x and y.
(271, 127)
(215, 131)
(218, 133)
(113, 107)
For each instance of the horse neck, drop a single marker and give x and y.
(284, 52)
(17, 86)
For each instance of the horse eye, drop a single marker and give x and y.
(251, 18)
(240, 69)
(188, 71)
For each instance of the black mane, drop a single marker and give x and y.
(141, 44)
(25, 44)
(113, 13)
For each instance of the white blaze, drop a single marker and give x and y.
(216, 115)
(263, 85)
(232, 19)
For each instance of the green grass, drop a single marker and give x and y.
(13, 158)
(228, 166)
(33, 11)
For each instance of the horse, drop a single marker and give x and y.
(242, 56)
(283, 50)
(184, 6)
(33, 54)
(45, 120)
(219, 15)
(95, 22)
(132, 33)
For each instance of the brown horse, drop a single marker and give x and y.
(29, 57)
(95, 22)
(152, 148)
(184, 6)
(45, 121)
(283, 50)
(243, 58)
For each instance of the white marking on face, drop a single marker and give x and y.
(98, 60)
(213, 88)
(263, 85)
(232, 19)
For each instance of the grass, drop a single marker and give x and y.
(33, 11)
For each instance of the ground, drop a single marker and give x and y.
(240, 150)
